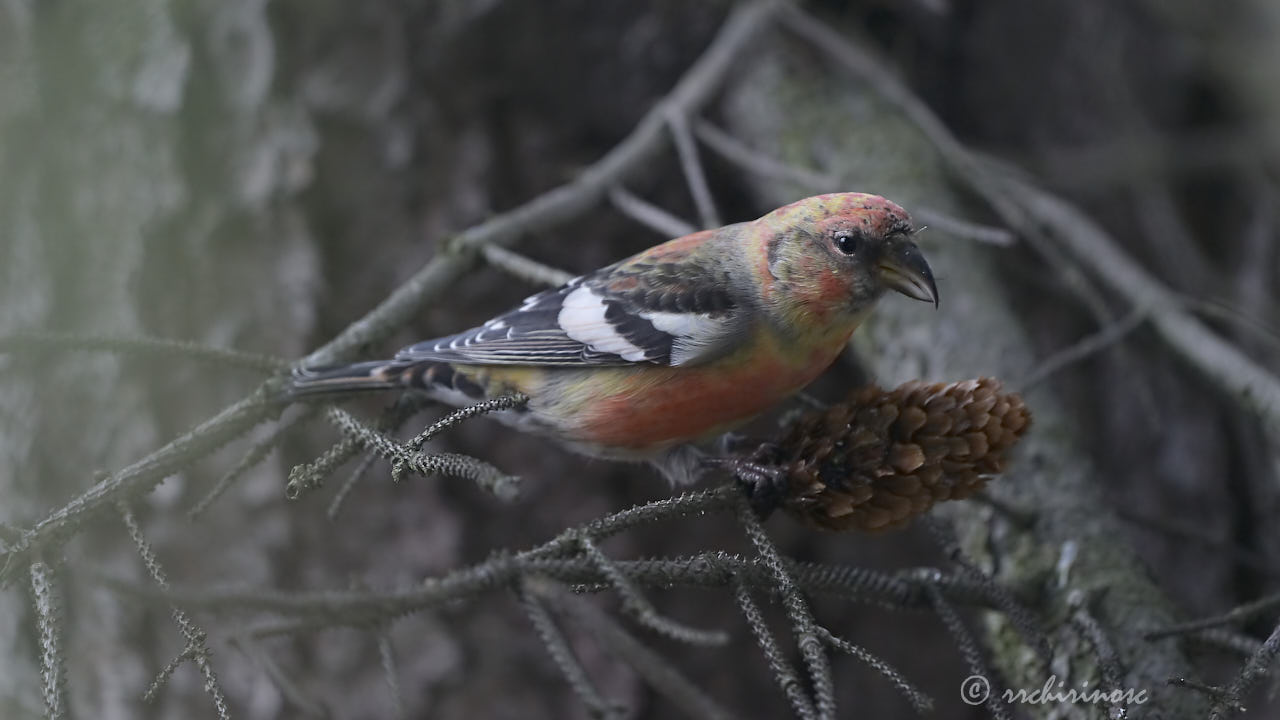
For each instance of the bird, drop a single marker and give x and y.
(653, 357)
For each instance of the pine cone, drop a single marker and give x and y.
(881, 458)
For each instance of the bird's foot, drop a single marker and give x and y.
(765, 485)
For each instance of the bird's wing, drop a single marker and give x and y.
(667, 308)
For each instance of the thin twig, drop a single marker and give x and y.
(188, 654)
(49, 622)
(811, 646)
(309, 476)
(1081, 350)
(964, 229)
(641, 609)
(287, 687)
(1213, 692)
(306, 477)
(524, 268)
(694, 175)
(920, 702)
(654, 668)
(969, 649)
(1253, 277)
(1237, 614)
(758, 163)
(1023, 620)
(1103, 650)
(765, 166)
(1238, 319)
(1254, 669)
(782, 671)
(1227, 640)
(1196, 533)
(492, 405)
(139, 346)
(902, 590)
(139, 477)
(340, 497)
(1221, 362)
(717, 499)
(256, 454)
(387, 658)
(195, 649)
(558, 647)
(648, 214)
(404, 457)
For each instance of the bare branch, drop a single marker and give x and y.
(921, 702)
(387, 657)
(188, 654)
(1108, 660)
(694, 175)
(1219, 310)
(1019, 615)
(524, 268)
(1236, 614)
(308, 476)
(256, 454)
(140, 477)
(752, 160)
(362, 469)
(1085, 348)
(49, 621)
(1257, 666)
(969, 648)
(641, 609)
(492, 405)
(782, 670)
(47, 341)
(196, 649)
(1221, 362)
(648, 214)
(402, 457)
(655, 669)
(558, 646)
(1199, 535)
(287, 687)
(757, 162)
(1227, 640)
(811, 646)
(964, 229)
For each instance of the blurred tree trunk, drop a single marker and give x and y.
(149, 179)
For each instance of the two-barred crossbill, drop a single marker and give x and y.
(650, 356)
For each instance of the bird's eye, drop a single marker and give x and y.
(846, 242)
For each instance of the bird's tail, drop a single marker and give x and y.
(441, 379)
(374, 375)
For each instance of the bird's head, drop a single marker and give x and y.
(838, 254)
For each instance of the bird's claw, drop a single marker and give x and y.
(764, 485)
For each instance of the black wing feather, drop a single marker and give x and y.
(632, 295)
